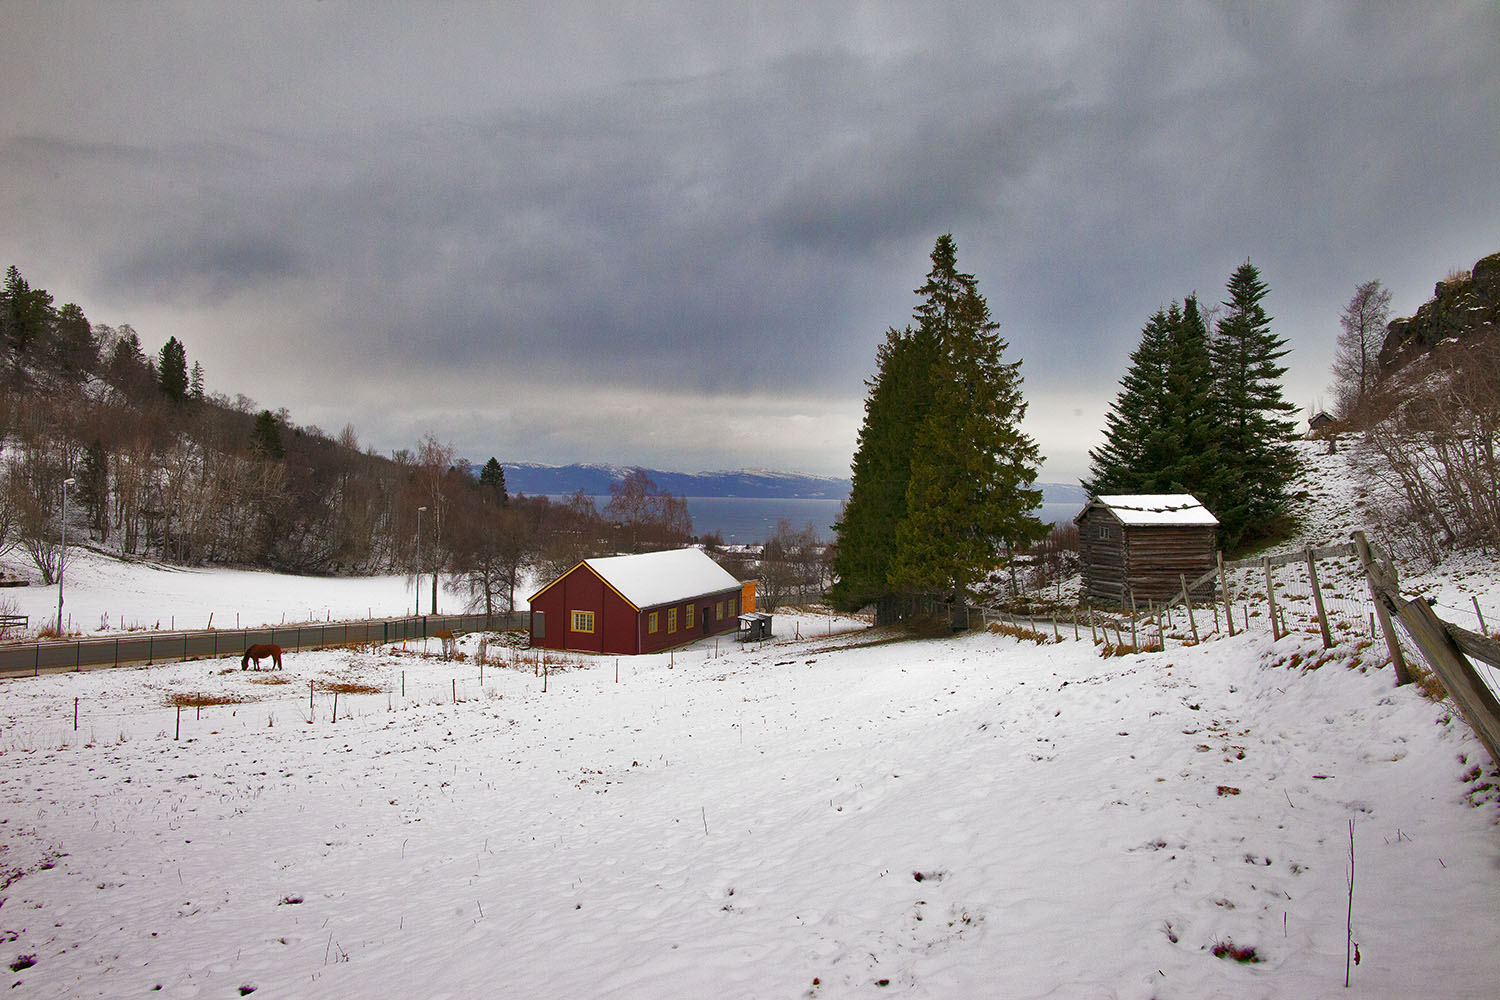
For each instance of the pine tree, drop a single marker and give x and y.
(492, 476)
(26, 314)
(899, 396)
(74, 350)
(969, 496)
(93, 487)
(1191, 425)
(265, 436)
(127, 368)
(1258, 460)
(195, 384)
(1161, 434)
(171, 370)
(1122, 463)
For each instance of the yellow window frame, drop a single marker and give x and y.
(653, 622)
(692, 609)
(671, 620)
(583, 621)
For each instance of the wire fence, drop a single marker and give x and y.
(137, 648)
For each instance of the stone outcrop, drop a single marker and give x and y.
(1463, 307)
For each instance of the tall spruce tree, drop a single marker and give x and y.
(1122, 464)
(265, 436)
(969, 496)
(899, 396)
(1188, 414)
(1160, 435)
(1257, 459)
(492, 477)
(26, 315)
(172, 370)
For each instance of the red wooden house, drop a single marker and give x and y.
(636, 604)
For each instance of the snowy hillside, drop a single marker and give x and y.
(832, 814)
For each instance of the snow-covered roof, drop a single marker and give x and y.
(653, 578)
(1156, 509)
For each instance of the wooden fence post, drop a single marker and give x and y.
(1224, 586)
(1475, 701)
(1375, 576)
(1312, 574)
(1187, 602)
(1265, 562)
(1479, 614)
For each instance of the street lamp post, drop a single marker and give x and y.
(418, 586)
(62, 559)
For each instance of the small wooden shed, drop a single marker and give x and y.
(1142, 547)
(642, 603)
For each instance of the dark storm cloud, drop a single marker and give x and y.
(687, 210)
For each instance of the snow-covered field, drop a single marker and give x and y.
(104, 594)
(825, 815)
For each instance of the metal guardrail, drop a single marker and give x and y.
(129, 648)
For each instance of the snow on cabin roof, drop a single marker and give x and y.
(653, 578)
(1157, 509)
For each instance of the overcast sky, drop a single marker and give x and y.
(674, 237)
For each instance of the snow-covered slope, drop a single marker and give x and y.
(826, 815)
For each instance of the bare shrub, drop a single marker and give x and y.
(1429, 451)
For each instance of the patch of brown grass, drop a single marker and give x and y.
(1427, 682)
(200, 699)
(1126, 649)
(352, 687)
(1020, 632)
(270, 679)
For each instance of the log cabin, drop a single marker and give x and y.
(1142, 546)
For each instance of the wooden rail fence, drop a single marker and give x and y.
(1449, 649)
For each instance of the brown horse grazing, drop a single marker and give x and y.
(260, 652)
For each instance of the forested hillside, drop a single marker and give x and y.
(148, 464)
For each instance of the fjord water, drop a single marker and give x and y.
(748, 520)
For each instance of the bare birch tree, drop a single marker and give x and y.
(1362, 331)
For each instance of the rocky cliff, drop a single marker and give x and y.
(1463, 307)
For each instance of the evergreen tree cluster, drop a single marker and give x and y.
(35, 332)
(942, 478)
(39, 338)
(1203, 413)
